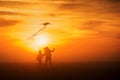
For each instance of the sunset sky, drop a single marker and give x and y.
(80, 30)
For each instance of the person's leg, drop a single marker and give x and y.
(40, 62)
(46, 61)
(50, 61)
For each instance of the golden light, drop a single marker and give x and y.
(40, 42)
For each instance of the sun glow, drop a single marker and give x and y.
(40, 41)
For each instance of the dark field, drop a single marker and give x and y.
(61, 71)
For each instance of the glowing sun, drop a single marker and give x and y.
(40, 41)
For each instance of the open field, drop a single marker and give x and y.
(60, 71)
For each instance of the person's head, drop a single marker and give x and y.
(46, 48)
(40, 52)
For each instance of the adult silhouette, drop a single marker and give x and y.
(39, 57)
(48, 55)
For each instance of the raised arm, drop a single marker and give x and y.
(53, 50)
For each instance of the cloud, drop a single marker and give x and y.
(11, 13)
(114, 35)
(75, 5)
(115, 25)
(111, 6)
(13, 2)
(92, 24)
(102, 28)
(6, 23)
(113, 0)
(17, 4)
(96, 8)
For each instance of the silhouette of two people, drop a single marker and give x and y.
(48, 56)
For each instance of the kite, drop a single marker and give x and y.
(38, 32)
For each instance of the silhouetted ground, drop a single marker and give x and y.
(61, 71)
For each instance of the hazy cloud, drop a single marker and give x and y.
(112, 6)
(17, 4)
(115, 25)
(6, 23)
(112, 34)
(114, 0)
(92, 24)
(103, 28)
(13, 2)
(10, 13)
(95, 8)
(73, 6)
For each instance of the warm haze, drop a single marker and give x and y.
(80, 30)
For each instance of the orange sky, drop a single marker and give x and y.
(80, 30)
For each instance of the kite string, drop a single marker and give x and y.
(38, 32)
